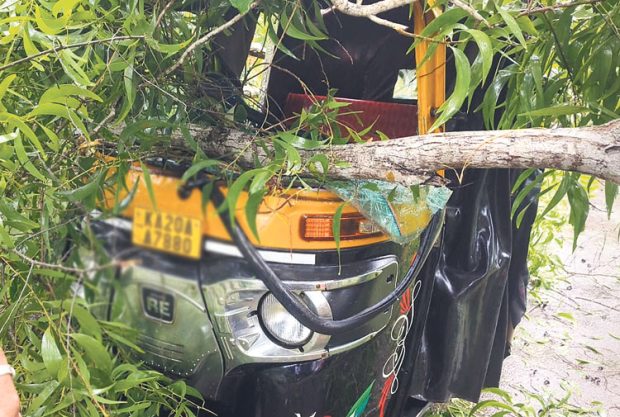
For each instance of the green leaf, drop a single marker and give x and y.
(73, 69)
(149, 184)
(557, 110)
(50, 353)
(5, 238)
(251, 210)
(85, 192)
(523, 193)
(611, 192)
(491, 404)
(579, 207)
(25, 161)
(567, 316)
(235, 190)
(316, 162)
(199, 166)
(59, 110)
(449, 18)
(301, 142)
(242, 5)
(58, 94)
(168, 49)
(362, 402)
(8, 137)
(42, 397)
(95, 350)
(485, 50)
(6, 83)
(293, 158)
(18, 123)
(88, 323)
(292, 30)
(130, 88)
(49, 24)
(559, 194)
(461, 89)
(512, 25)
(54, 141)
(65, 7)
(336, 225)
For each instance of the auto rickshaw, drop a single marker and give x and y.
(295, 321)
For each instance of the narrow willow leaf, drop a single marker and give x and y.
(49, 24)
(461, 89)
(50, 353)
(88, 323)
(485, 50)
(336, 225)
(522, 178)
(289, 24)
(579, 207)
(251, 211)
(523, 193)
(149, 184)
(57, 93)
(449, 18)
(95, 351)
(557, 110)
(242, 5)
(25, 161)
(73, 69)
(59, 110)
(611, 192)
(85, 192)
(491, 404)
(5, 84)
(5, 239)
(512, 25)
(42, 397)
(559, 194)
(199, 166)
(235, 190)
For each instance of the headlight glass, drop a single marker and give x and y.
(280, 324)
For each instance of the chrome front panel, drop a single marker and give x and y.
(233, 304)
(183, 344)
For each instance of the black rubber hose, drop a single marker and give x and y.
(296, 307)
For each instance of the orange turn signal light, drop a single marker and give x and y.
(352, 226)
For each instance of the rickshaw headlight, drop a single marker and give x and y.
(281, 325)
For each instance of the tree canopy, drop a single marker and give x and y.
(76, 74)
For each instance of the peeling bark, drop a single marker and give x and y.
(413, 160)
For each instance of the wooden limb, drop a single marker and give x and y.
(413, 160)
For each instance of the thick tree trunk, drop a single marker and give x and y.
(413, 160)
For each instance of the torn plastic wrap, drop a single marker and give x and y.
(401, 212)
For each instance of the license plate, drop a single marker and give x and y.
(167, 232)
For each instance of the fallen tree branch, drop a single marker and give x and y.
(413, 160)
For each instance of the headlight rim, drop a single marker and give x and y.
(270, 334)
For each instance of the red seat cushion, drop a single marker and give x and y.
(395, 120)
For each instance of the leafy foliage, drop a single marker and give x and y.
(498, 403)
(74, 73)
